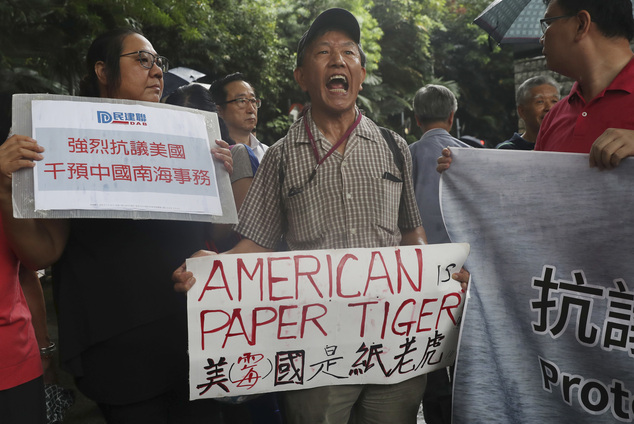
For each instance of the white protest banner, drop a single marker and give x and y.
(547, 333)
(108, 158)
(122, 157)
(291, 320)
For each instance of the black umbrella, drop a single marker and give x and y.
(176, 77)
(513, 21)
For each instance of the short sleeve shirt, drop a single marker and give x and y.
(573, 124)
(242, 163)
(356, 199)
(20, 360)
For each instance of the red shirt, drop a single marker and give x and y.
(19, 354)
(573, 124)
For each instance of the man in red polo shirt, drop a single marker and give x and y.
(589, 41)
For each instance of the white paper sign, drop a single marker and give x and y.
(129, 157)
(292, 320)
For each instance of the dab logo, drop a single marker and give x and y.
(121, 118)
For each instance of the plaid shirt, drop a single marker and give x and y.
(351, 202)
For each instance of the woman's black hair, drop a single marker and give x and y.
(196, 96)
(106, 48)
(193, 95)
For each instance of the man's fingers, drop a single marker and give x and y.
(222, 144)
(611, 147)
(444, 161)
(183, 279)
(184, 286)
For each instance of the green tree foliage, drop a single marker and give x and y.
(405, 62)
(44, 41)
(483, 72)
(408, 43)
(228, 36)
(52, 36)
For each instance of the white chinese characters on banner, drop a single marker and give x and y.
(122, 157)
(547, 334)
(291, 320)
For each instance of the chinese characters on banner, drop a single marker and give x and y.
(123, 157)
(292, 320)
(548, 332)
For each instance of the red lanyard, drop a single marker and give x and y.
(314, 145)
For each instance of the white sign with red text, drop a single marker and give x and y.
(128, 157)
(292, 320)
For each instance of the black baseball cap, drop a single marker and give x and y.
(335, 18)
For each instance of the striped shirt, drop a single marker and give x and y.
(356, 199)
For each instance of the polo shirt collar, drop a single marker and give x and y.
(624, 81)
(434, 131)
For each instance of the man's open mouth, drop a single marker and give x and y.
(337, 83)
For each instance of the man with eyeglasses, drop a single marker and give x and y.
(589, 41)
(238, 106)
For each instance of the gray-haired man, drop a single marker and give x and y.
(534, 99)
(434, 109)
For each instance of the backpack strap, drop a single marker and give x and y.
(399, 160)
(282, 246)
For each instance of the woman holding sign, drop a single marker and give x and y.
(122, 328)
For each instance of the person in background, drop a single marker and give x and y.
(589, 41)
(434, 109)
(238, 106)
(122, 328)
(198, 97)
(259, 409)
(534, 98)
(245, 163)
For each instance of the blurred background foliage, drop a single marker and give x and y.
(409, 43)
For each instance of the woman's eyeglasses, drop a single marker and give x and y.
(147, 60)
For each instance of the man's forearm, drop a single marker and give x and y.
(413, 237)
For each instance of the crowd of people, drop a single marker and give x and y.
(128, 351)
